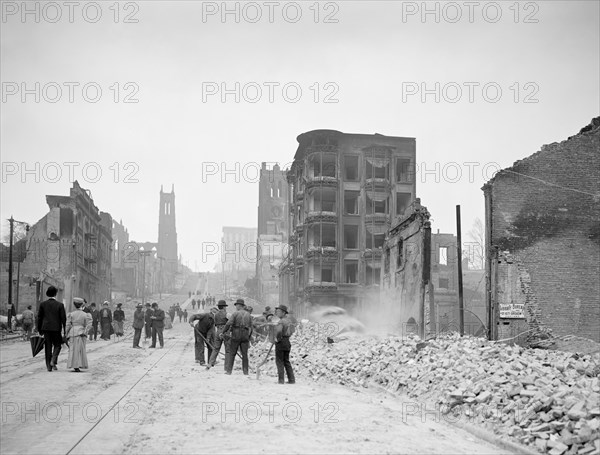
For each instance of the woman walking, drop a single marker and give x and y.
(78, 323)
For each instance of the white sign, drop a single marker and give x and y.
(512, 310)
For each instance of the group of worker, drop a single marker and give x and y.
(215, 329)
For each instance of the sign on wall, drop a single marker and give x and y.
(512, 310)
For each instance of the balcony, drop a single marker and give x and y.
(377, 181)
(326, 254)
(317, 287)
(321, 217)
(322, 148)
(373, 253)
(377, 218)
(321, 182)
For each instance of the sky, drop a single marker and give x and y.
(148, 93)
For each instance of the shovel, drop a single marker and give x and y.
(264, 361)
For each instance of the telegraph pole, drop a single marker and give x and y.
(10, 260)
(461, 307)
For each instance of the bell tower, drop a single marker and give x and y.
(167, 234)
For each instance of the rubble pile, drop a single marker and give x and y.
(549, 400)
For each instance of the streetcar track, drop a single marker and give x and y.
(127, 392)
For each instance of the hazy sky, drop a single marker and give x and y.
(372, 57)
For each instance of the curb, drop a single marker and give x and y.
(478, 432)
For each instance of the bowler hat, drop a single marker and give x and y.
(155, 305)
(240, 302)
(282, 308)
(51, 291)
(148, 304)
(139, 305)
(222, 303)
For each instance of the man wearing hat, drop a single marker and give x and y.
(283, 332)
(95, 318)
(203, 334)
(158, 324)
(138, 324)
(220, 321)
(148, 321)
(241, 327)
(52, 319)
(119, 317)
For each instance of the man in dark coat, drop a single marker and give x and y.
(95, 319)
(148, 321)
(283, 332)
(240, 325)
(206, 327)
(220, 321)
(52, 321)
(105, 321)
(158, 324)
(193, 304)
(138, 325)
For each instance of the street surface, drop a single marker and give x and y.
(161, 401)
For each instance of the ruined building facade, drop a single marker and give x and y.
(344, 192)
(272, 233)
(543, 242)
(71, 248)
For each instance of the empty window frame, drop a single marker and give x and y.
(351, 237)
(322, 165)
(443, 255)
(373, 276)
(322, 235)
(323, 200)
(322, 273)
(377, 167)
(402, 202)
(351, 202)
(351, 272)
(351, 168)
(375, 240)
(400, 256)
(404, 171)
(374, 206)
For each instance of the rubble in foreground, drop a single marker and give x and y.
(548, 400)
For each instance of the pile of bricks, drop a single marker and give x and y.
(549, 400)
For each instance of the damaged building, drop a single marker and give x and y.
(344, 192)
(543, 243)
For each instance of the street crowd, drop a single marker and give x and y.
(213, 329)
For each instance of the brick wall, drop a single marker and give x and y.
(551, 231)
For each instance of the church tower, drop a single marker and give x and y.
(167, 234)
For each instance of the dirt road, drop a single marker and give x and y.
(161, 401)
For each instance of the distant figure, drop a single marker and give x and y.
(95, 319)
(203, 303)
(138, 325)
(78, 322)
(119, 317)
(28, 321)
(52, 320)
(180, 314)
(171, 312)
(190, 294)
(193, 304)
(11, 313)
(185, 315)
(105, 322)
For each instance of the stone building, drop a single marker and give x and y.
(71, 248)
(345, 190)
(238, 257)
(272, 232)
(543, 242)
(167, 238)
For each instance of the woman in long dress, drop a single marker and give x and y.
(78, 323)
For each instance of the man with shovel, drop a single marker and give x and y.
(204, 333)
(220, 321)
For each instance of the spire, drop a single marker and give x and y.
(161, 188)
(173, 188)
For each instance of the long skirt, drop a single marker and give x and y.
(105, 330)
(118, 326)
(77, 355)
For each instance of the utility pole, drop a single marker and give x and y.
(12, 222)
(461, 307)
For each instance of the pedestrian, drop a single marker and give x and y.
(172, 313)
(180, 314)
(118, 318)
(148, 321)
(138, 325)
(11, 313)
(283, 332)
(193, 304)
(52, 320)
(105, 322)
(95, 319)
(240, 324)
(204, 333)
(220, 321)
(28, 321)
(185, 315)
(78, 322)
(190, 294)
(203, 303)
(158, 324)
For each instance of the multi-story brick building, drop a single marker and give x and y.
(345, 190)
(71, 248)
(543, 242)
